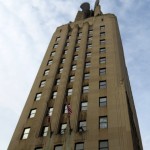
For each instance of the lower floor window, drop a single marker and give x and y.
(103, 145)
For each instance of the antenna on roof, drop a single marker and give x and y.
(97, 3)
(85, 7)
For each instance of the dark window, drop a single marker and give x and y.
(88, 54)
(103, 122)
(102, 60)
(74, 67)
(84, 105)
(82, 126)
(103, 145)
(90, 31)
(42, 84)
(103, 101)
(102, 34)
(67, 44)
(49, 62)
(54, 95)
(45, 131)
(57, 81)
(32, 113)
(55, 45)
(79, 146)
(53, 53)
(63, 60)
(46, 72)
(102, 71)
(75, 57)
(58, 39)
(102, 41)
(86, 76)
(38, 96)
(102, 27)
(71, 78)
(89, 46)
(63, 128)
(102, 84)
(69, 92)
(58, 147)
(77, 49)
(87, 64)
(25, 133)
(85, 89)
(102, 50)
(80, 34)
(50, 111)
(60, 70)
(39, 148)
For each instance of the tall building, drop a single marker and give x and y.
(81, 98)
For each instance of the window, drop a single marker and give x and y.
(79, 146)
(65, 109)
(69, 92)
(32, 113)
(63, 60)
(49, 62)
(53, 53)
(45, 131)
(75, 57)
(90, 31)
(78, 41)
(54, 95)
(88, 54)
(89, 39)
(102, 27)
(102, 60)
(71, 79)
(102, 84)
(103, 145)
(25, 133)
(55, 45)
(67, 44)
(102, 41)
(102, 71)
(103, 122)
(89, 46)
(80, 34)
(84, 105)
(57, 81)
(58, 39)
(65, 52)
(102, 50)
(42, 84)
(46, 72)
(87, 64)
(63, 128)
(39, 148)
(69, 36)
(102, 34)
(103, 101)
(50, 111)
(58, 147)
(82, 126)
(38, 96)
(73, 67)
(77, 49)
(86, 76)
(60, 70)
(86, 89)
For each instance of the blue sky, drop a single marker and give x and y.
(26, 27)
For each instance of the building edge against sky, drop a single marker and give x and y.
(84, 68)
